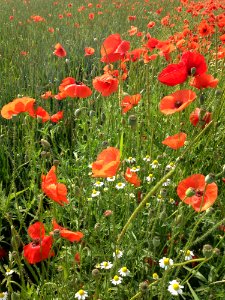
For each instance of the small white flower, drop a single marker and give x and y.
(112, 178)
(170, 166)
(3, 295)
(81, 295)
(95, 193)
(147, 158)
(167, 182)
(98, 183)
(159, 198)
(120, 185)
(135, 169)
(188, 254)
(165, 262)
(118, 253)
(175, 288)
(130, 159)
(116, 280)
(8, 272)
(131, 195)
(172, 201)
(105, 189)
(90, 166)
(155, 164)
(124, 271)
(150, 178)
(106, 265)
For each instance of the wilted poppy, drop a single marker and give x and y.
(114, 48)
(132, 177)
(107, 163)
(59, 50)
(200, 117)
(176, 101)
(89, 51)
(204, 81)
(106, 84)
(195, 192)
(128, 102)
(173, 74)
(54, 190)
(19, 105)
(41, 246)
(57, 117)
(67, 234)
(175, 141)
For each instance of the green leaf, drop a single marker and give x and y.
(14, 195)
(192, 292)
(196, 274)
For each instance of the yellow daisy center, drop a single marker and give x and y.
(176, 286)
(81, 292)
(166, 261)
(124, 269)
(188, 252)
(116, 278)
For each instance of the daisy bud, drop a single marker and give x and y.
(210, 178)
(45, 144)
(132, 120)
(190, 192)
(216, 251)
(95, 273)
(207, 250)
(156, 241)
(143, 286)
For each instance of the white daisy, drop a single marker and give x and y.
(8, 272)
(124, 271)
(81, 295)
(106, 265)
(112, 178)
(170, 166)
(130, 159)
(120, 185)
(116, 280)
(150, 178)
(167, 182)
(155, 164)
(175, 288)
(159, 198)
(95, 193)
(98, 183)
(165, 262)
(3, 295)
(118, 253)
(189, 255)
(147, 158)
(135, 169)
(155, 276)
(172, 201)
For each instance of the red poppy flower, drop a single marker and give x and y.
(151, 24)
(54, 190)
(77, 90)
(129, 102)
(177, 101)
(41, 247)
(67, 234)
(57, 117)
(204, 195)
(106, 84)
(195, 116)
(107, 163)
(175, 141)
(89, 51)
(47, 95)
(40, 113)
(114, 48)
(59, 50)
(194, 62)
(173, 74)
(204, 81)
(19, 105)
(3, 253)
(132, 178)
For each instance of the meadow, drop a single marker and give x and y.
(112, 131)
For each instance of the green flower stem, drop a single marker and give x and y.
(157, 186)
(190, 261)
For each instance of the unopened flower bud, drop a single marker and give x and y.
(132, 120)
(143, 286)
(107, 213)
(97, 226)
(202, 99)
(216, 251)
(43, 153)
(178, 219)
(77, 112)
(210, 178)
(207, 250)
(156, 241)
(45, 144)
(190, 192)
(56, 162)
(95, 273)
(92, 113)
(218, 92)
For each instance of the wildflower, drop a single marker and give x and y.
(41, 246)
(173, 74)
(59, 50)
(204, 81)
(170, 166)
(110, 179)
(108, 213)
(200, 117)
(155, 276)
(132, 177)
(40, 113)
(98, 183)
(18, 105)
(3, 295)
(159, 198)
(172, 201)
(176, 141)
(128, 102)
(89, 51)
(116, 280)
(81, 295)
(118, 253)
(150, 178)
(135, 169)
(57, 117)
(54, 190)
(106, 265)
(107, 163)
(155, 164)
(131, 195)
(120, 185)
(130, 159)
(95, 193)
(147, 158)
(165, 262)
(106, 84)
(66, 234)
(9, 272)
(175, 288)
(77, 90)
(202, 195)
(176, 101)
(167, 182)
(189, 255)
(124, 271)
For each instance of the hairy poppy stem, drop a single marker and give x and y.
(157, 186)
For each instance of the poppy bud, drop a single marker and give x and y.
(163, 192)
(202, 99)
(216, 251)
(55, 162)
(92, 113)
(207, 250)
(95, 273)
(156, 241)
(97, 226)
(103, 117)
(132, 120)
(210, 178)
(218, 92)
(43, 153)
(190, 192)
(45, 144)
(77, 112)
(143, 286)
(178, 219)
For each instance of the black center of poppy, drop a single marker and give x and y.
(78, 83)
(199, 193)
(178, 103)
(35, 242)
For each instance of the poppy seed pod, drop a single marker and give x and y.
(95, 273)
(190, 192)
(143, 286)
(45, 144)
(207, 250)
(156, 241)
(132, 120)
(210, 178)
